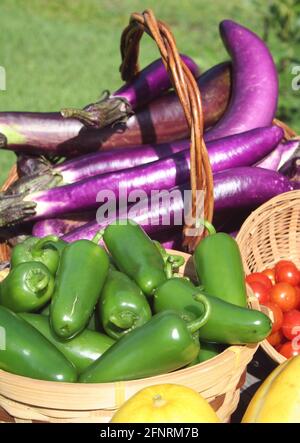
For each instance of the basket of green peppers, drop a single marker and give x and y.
(85, 325)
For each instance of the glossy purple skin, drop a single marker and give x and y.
(162, 174)
(61, 225)
(103, 162)
(254, 95)
(237, 150)
(239, 188)
(151, 82)
(281, 154)
(247, 187)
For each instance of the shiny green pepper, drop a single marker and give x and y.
(135, 254)
(122, 305)
(24, 351)
(162, 345)
(82, 350)
(80, 277)
(39, 250)
(28, 287)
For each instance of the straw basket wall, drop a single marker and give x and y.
(272, 233)
(218, 380)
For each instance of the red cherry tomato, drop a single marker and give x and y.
(283, 263)
(288, 274)
(259, 277)
(284, 295)
(276, 339)
(291, 324)
(270, 273)
(297, 289)
(260, 291)
(289, 350)
(276, 314)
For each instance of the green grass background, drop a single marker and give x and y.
(60, 53)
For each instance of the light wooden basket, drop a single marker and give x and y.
(219, 380)
(271, 233)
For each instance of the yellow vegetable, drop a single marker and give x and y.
(166, 403)
(278, 399)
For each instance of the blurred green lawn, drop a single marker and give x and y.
(60, 53)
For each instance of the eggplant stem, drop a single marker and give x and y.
(106, 111)
(37, 182)
(3, 141)
(14, 209)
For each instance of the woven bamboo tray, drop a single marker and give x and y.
(218, 380)
(271, 233)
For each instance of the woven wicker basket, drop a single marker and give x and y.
(272, 233)
(218, 380)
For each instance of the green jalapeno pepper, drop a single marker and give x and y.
(93, 324)
(82, 350)
(135, 254)
(24, 351)
(122, 305)
(39, 250)
(28, 287)
(227, 323)
(80, 277)
(162, 345)
(219, 267)
(207, 351)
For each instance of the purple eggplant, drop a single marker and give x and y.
(281, 154)
(62, 225)
(239, 150)
(254, 95)
(148, 84)
(162, 121)
(238, 189)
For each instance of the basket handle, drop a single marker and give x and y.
(190, 98)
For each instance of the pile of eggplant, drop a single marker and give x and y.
(138, 138)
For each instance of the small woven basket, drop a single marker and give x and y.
(271, 233)
(219, 379)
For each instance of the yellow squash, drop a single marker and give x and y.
(166, 403)
(278, 399)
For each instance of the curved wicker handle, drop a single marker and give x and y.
(189, 95)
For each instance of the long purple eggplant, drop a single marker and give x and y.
(281, 154)
(254, 95)
(148, 84)
(235, 189)
(237, 150)
(242, 149)
(62, 225)
(161, 121)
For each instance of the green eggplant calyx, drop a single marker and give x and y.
(196, 324)
(98, 236)
(37, 249)
(37, 281)
(208, 226)
(124, 320)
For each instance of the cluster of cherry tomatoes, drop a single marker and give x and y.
(279, 290)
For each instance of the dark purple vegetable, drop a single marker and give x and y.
(291, 169)
(281, 154)
(161, 121)
(61, 225)
(30, 165)
(242, 149)
(234, 190)
(254, 95)
(147, 85)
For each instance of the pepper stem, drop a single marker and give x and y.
(208, 226)
(98, 236)
(37, 281)
(37, 248)
(196, 324)
(124, 320)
